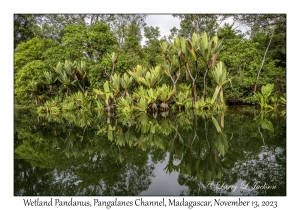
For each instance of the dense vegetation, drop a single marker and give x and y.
(80, 62)
(74, 73)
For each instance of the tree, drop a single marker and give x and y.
(152, 49)
(198, 23)
(31, 50)
(119, 24)
(24, 28)
(90, 43)
(28, 82)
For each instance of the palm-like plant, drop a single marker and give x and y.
(142, 105)
(125, 106)
(138, 72)
(164, 94)
(220, 76)
(33, 90)
(263, 97)
(207, 49)
(81, 71)
(172, 69)
(50, 79)
(107, 95)
(126, 81)
(181, 99)
(63, 75)
(68, 67)
(115, 84)
(152, 77)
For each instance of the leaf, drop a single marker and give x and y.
(216, 124)
(204, 40)
(106, 87)
(266, 124)
(215, 94)
(110, 135)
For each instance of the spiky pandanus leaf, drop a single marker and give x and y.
(164, 46)
(206, 47)
(140, 92)
(138, 72)
(68, 66)
(220, 76)
(126, 81)
(164, 92)
(142, 105)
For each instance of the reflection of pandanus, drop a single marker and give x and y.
(179, 108)
(216, 155)
(109, 105)
(40, 120)
(164, 106)
(154, 114)
(154, 107)
(164, 114)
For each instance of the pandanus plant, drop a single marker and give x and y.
(146, 99)
(113, 57)
(171, 66)
(164, 94)
(137, 73)
(34, 90)
(125, 82)
(115, 84)
(50, 79)
(64, 75)
(81, 71)
(207, 49)
(172, 69)
(180, 45)
(220, 76)
(107, 95)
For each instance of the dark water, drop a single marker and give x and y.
(242, 152)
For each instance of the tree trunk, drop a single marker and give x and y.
(204, 83)
(263, 61)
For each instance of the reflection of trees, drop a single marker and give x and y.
(199, 156)
(63, 159)
(268, 168)
(97, 158)
(244, 146)
(28, 180)
(196, 188)
(106, 177)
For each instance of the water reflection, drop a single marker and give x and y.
(190, 153)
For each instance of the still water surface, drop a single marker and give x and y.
(242, 152)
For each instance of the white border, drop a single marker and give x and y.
(8, 8)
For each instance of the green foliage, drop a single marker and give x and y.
(220, 76)
(24, 28)
(164, 92)
(207, 47)
(263, 96)
(88, 43)
(28, 82)
(126, 81)
(31, 50)
(106, 93)
(89, 57)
